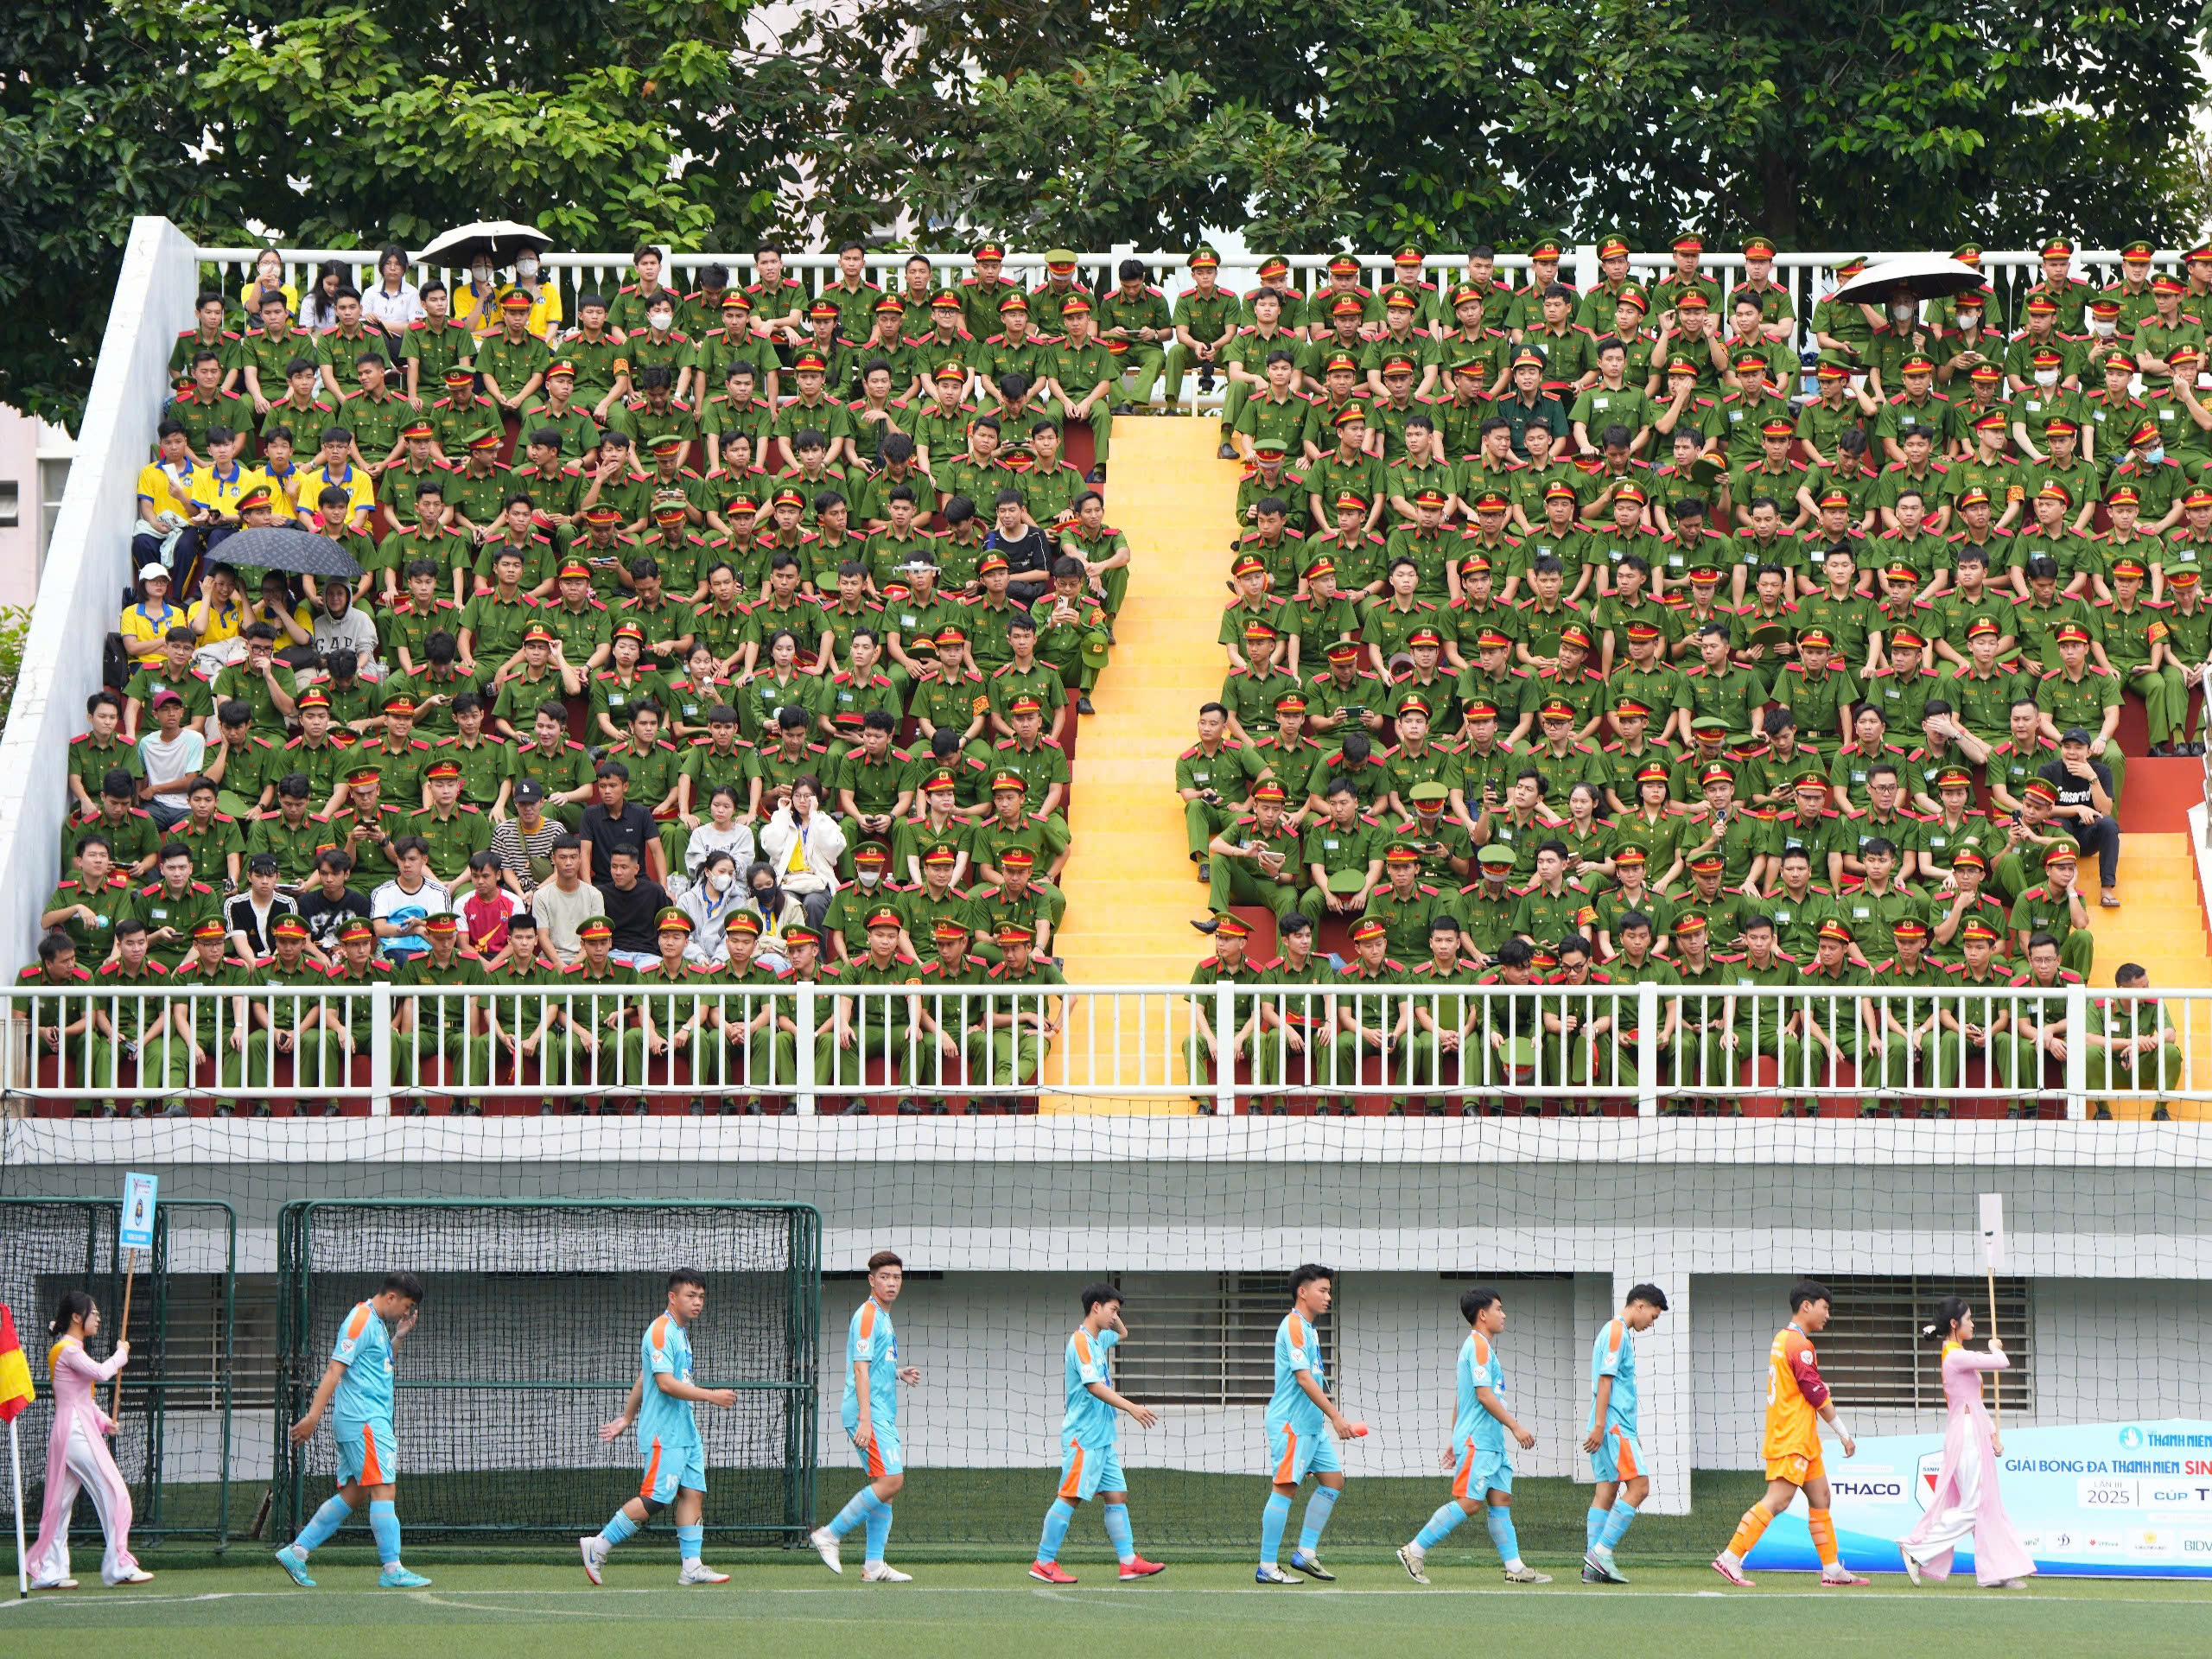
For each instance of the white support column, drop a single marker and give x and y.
(1663, 1384)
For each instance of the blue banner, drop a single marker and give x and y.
(2095, 1500)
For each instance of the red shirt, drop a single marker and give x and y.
(487, 921)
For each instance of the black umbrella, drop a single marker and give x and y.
(1921, 275)
(281, 547)
(502, 239)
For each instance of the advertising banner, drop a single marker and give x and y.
(2094, 1500)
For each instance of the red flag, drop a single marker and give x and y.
(14, 1370)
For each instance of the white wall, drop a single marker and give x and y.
(86, 567)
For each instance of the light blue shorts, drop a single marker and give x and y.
(1087, 1470)
(367, 1453)
(1293, 1454)
(668, 1468)
(1481, 1470)
(884, 1456)
(1618, 1457)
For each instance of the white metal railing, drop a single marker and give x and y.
(1339, 1046)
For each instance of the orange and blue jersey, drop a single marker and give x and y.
(1614, 1355)
(363, 1348)
(663, 1419)
(1298, 1348)
(870, 1339)
(1089, 1419)
(1795, 1394)
(1480, 1367)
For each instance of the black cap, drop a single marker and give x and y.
(262, 864)
(529, 793)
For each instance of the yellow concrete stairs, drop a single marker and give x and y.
(1131, 888)
(2160, 924)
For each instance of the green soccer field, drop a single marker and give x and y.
(245, 1610)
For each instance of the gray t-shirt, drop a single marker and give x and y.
(560, 914)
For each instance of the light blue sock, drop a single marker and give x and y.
(1317, 1517)
(1118, 1533)
(619, 1529)
(334, 1513)
(1441, 1525)
(384, 1522)
(860, 1506)
(1273, 1520)
(1056, 1530)
(1592, 1524)
(1616, 1528)
(687, 1543)
(879, 1530)
(1500, 1534)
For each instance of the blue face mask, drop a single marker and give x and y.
(2154, 455)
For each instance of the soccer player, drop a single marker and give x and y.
(659, 1407)
(1479, 1455)
(1296, 1446)
(356, 1390)
(1615, 1457)
(873, 1374)
(1794, 1396)
(1091, 1452)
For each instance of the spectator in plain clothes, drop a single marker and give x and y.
(779, 912)
(713, 893)
(524, 843)
(247, 916)
(391, 301)
(398, 907)
(2084, 807)
(489, 907)
(330, 903)
(340, 624)
(616, 821)
(565, 903)
(802, 845)
(634, 903)
(170, 756)
(722, 832)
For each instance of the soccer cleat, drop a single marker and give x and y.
(1600, 1562)
(1304, 1560)
(1526, 1575)
(1415, 1560)
(700, 1572)
(397, 1577)
(825, 1542)
(293, 1563)
(1911, 1566)
(1050, 1572)
(1842, 1576)
(1137, 1568)
(595, 1557)
(1268, 1573)
(1728, 1570)
(881, 1572)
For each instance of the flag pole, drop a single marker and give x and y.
(130, 1281)
(16, 1468)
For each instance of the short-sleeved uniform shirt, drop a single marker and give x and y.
(1089, 1420)
(1298, 1348)
(870, 1339)
(363, 1348)
(662, 1419)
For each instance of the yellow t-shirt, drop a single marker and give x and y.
(249, 300)
(483, 316)
(215, 625)
(163, 493)
(360, 489)
(219, 495)
(142, 621)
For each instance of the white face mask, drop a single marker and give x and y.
(718, 882)
(525, 268)
(2046, 377)
(1969, 319)
(869, 878)
(1901, 313)
(661, 319)
(2104, 327)
(483, 274)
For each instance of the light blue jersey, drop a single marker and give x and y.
(1298, 1348)
(363, 1348)
(870, 1339)
(1480, 1367)
(1089, 1419)
(662, 1419)
(1613, 1355)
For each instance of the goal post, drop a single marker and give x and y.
(528, 1341)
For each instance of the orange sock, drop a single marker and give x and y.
(1748, 1531)
(1821, 1525)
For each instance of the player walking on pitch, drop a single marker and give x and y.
(1480, 1453)
(1297, 1414)
(356, 1390)
(1796, 1400)
(659, 1407)
(1616, 1455)
(1090, 1453)
(873, 1374)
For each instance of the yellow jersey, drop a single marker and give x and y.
(1795, 1394)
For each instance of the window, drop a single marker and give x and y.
(1874, 1356)
(1206, 1338)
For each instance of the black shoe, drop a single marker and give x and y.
(1082, 705)
(1205, 869)
(1206, 926)
(1124, 408)
(1226, 452)
(1095, 475)
(2162, 751)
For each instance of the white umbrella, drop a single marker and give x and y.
(1922, 276)
(502, 239)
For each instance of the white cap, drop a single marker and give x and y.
(149, 571)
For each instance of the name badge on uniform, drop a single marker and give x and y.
(1860, 912)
